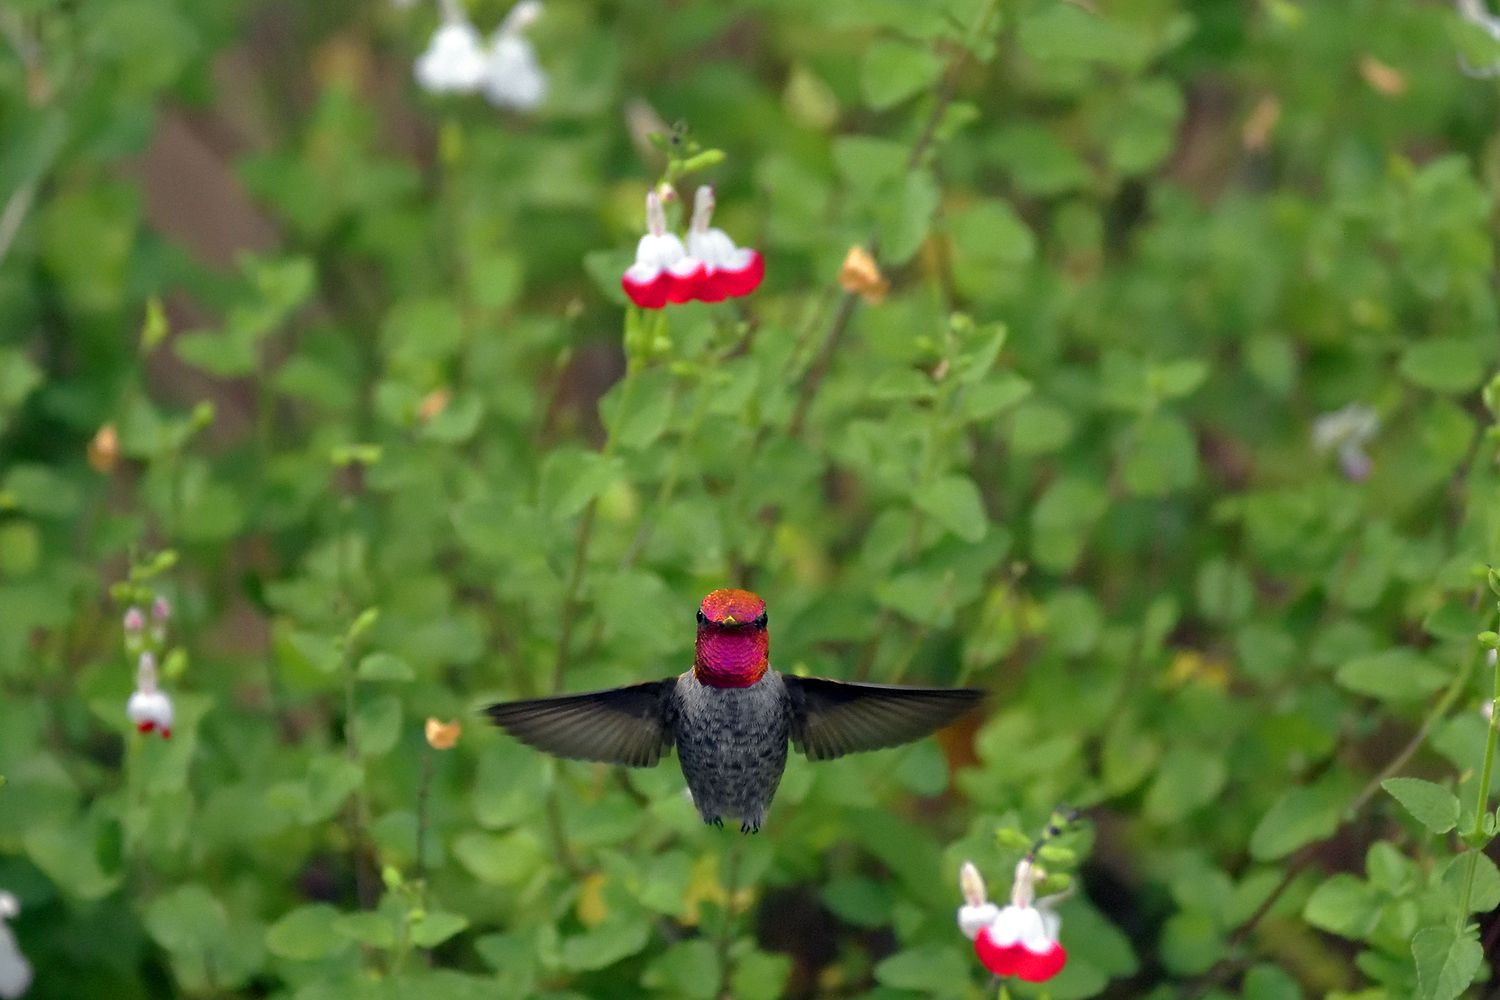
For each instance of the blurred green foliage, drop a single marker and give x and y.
(361, 350)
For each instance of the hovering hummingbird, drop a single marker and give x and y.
(731, 716)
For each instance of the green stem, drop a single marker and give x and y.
(1481, 807)
(725, 943)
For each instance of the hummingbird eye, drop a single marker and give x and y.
(762, 620)
(702, 618)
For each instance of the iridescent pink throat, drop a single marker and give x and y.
(731, 656)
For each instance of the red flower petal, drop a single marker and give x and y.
(648, 294)
(1002, 960)
(1038, 968)
(166, 734)
(715, 286)
(686, 286)
(145, 727)
(743, 280)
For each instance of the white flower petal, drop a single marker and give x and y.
(15, 971)
(454, 60)
(973, 919)
(152, 707)
(512, 76)
(1017, 923)
(1051, 922)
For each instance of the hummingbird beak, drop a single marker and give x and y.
(729, 620)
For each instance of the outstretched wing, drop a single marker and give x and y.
(832, 718)
(626, 725)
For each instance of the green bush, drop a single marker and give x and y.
(343, 370)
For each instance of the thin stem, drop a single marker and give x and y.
(572, 605)
(725, 942)
(1482, 807)
(424, 794)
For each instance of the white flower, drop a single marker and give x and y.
(149, 708)
(1346, 432)
(15, 971)
(512, 77)
(454, 61)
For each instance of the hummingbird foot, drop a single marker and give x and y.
(748, 827)
(717, 821)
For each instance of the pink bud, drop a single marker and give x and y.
(135, 622)
(161, 610)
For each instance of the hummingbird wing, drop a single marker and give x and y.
(831, 718)
(625, 725)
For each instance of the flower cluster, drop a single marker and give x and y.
(709, 267)
(504, 69)
(15, 971)
(149, 708)
(1018, 940)
(1346, 432)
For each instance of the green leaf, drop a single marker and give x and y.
(617, 938)
(928, 969)
(1188, 779)
(571, 477)
(187, 920)
(1161, 456)
(1447, 961)
(1344, 905)
(1447, 364)
(904, 217)
(1484, 892)
(894, 71)
(1061, 520)
(1399, 674)
(760, 976)
(385, 667)
(370, 928)
(377, 722)
(954, 502)
(1268, 982)
(1225, 592)
(434, 928)
(1191, 942)
(687, 969)
(1431, 805)
(307, 933)
(330, 780)
(1300, 816)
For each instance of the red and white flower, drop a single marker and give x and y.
(730, 270)
(1018, 940)
(661, 271)
(149, 708)
(708, 268)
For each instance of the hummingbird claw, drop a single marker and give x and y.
(717, 821)
(748, 827)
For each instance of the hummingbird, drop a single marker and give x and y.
(731, 716)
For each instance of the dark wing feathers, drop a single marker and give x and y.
(831, 718)
(627, 725)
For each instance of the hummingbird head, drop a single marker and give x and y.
(733, 641)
